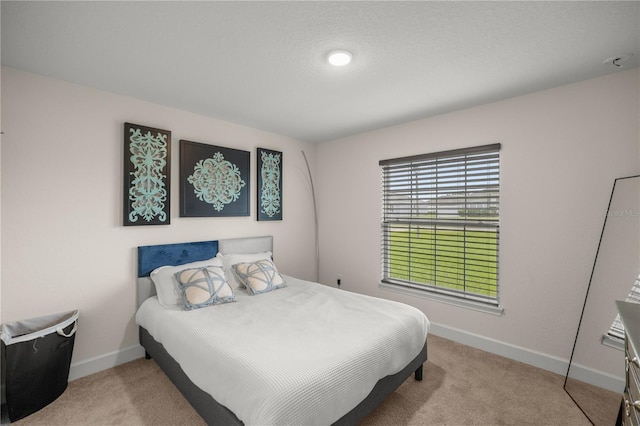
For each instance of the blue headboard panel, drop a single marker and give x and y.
(151, 257)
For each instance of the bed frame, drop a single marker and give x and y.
(151, 257)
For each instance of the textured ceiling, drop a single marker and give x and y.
(262, 64)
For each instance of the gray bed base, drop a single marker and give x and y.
(214, 413)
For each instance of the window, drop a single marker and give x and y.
(440, 223)
(616, 331)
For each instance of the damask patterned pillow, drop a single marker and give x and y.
(204, 287)
(259, 277)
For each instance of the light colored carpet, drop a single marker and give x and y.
(461, 386)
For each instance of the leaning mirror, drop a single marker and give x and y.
(597, 359)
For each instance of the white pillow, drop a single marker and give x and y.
(231, 259)
(167, 288)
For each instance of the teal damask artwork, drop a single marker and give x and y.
(269, 184)
(147, 160)
(214, 181)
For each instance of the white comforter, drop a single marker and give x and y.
(303, 355)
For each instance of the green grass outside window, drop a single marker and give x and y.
(450, 259)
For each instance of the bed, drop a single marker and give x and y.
(286, 356)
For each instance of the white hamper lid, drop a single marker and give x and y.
(25, 330)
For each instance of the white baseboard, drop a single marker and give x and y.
(598, 378)
(528, 356)
(507, 350)
(106, 361)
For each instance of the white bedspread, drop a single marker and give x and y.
(303, 355)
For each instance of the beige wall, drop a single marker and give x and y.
(63, 246)
(63, 243)
(561, 150)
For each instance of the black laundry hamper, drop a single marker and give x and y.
(36, 356)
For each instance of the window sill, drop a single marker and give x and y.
(443, 298)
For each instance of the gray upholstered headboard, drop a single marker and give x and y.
(246, 245)
(151, 257)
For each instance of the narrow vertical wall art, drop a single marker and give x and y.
(147, 169)
(269, 184)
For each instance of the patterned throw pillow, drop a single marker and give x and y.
(228, 260)
(204, 287)
(167, 288)
(259, 277)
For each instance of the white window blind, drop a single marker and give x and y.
(440, 222)
(617, 328)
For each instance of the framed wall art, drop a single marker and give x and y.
(269, 184)
(147, 170)
(214, 181)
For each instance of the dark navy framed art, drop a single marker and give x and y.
(214, 180)
(147, 175)
(269, 184)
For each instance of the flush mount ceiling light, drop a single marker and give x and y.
(339, 58)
